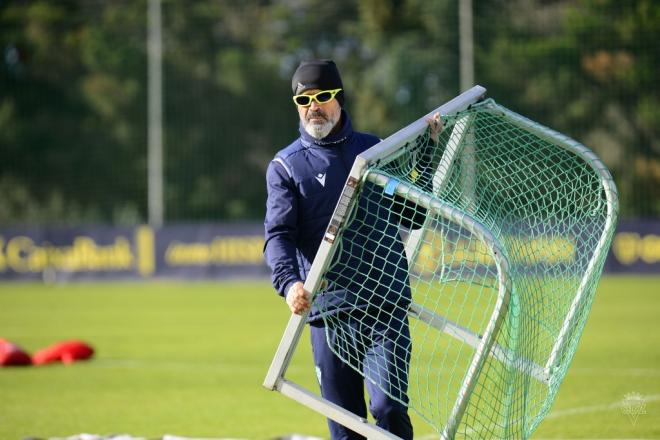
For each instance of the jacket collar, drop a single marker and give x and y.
(332, 139)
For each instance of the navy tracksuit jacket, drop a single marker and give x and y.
(304, 183)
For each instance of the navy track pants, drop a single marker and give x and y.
(382, 350)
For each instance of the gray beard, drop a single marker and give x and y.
(319, 131)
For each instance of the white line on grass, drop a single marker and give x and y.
(174, 364)
(580, 410)
(616, 371)
(597, 408)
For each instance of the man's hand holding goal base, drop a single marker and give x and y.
(298, 299)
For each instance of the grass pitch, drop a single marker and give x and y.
(189, 358)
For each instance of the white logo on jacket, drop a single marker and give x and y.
(321, 178)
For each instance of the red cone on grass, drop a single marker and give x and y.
(66, 352)
(13, 355)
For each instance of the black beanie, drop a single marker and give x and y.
(317, 74)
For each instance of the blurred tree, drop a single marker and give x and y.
(222, 110)
(588, 69)
(73, 84)
(71, 111)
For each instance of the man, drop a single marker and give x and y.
(304, 183)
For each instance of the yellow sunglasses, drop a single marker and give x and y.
(321, 97)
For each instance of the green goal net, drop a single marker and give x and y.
(502, 227)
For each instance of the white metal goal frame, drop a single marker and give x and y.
(484, 344)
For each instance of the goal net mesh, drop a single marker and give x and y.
(466, 269)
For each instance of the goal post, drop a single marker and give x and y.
(502, 226)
